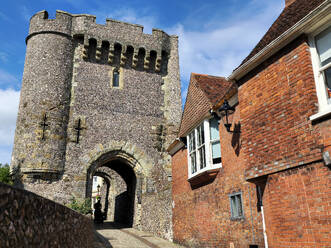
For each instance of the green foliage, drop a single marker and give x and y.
(5, 176)
(83, 207)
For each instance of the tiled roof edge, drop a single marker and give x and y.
(278, 43)
(196, 84)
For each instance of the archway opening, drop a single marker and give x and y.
(118, 193)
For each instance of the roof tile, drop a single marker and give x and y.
(288, 18)
(203, 93)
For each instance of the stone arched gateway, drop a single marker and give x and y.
(121, 158)
(72, 107)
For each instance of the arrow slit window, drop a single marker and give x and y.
(116, 78)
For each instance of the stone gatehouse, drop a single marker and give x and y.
(94, 97)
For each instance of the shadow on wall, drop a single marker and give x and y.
(123, 209)
(235, 142)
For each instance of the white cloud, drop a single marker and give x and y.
(219, 51)
(9, 100)
(7, 78)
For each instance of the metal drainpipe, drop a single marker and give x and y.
(250, 206)
(260, 202)
(264, 229)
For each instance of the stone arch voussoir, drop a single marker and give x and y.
(140, 162)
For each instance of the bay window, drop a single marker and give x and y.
(320, 44)
(204, 150)
(323, 45)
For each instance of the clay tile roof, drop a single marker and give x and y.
(203, 93)
(288, 18)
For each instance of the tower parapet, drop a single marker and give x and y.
(39, 23)
(112, 32)
(41, 131)
(72, 50)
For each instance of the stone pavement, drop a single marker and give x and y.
(112, 235)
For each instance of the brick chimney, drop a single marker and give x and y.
(288, 2)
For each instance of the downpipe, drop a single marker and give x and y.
(264, 229)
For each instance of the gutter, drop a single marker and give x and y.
(306, 24)
(175, 146)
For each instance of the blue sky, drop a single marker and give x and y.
(214, 37)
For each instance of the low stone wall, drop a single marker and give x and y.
(29, 220)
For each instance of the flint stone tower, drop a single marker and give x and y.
(98, 97)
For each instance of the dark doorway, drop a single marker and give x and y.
(121, 203)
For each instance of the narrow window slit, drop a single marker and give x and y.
(116, 78)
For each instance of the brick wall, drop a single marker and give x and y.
(297, 207)
(202, 216)
(325, 131)
(276, 101)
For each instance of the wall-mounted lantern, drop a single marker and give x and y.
(226, 110)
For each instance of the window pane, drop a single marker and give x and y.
(202, 156)
(327, 74)
(216, 149)
(191, 142)
(323, 42)
(214, 132)
(116, 79)
(193, 163)
(239, 206)
(234, 207)
(201, 135)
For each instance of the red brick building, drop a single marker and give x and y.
(282, 171)
(214, 206)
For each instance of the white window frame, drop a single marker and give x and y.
(323, 101)
(208, 151)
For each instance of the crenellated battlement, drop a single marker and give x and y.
(125, 55)
(39, 23)
(115, 24)
(112, 31)
(104, 42)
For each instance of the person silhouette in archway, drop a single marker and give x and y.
(98, 217)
